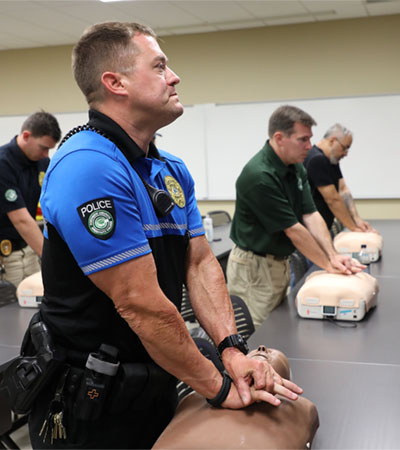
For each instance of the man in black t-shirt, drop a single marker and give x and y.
(331, 195)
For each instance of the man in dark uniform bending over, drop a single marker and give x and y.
(23, 163)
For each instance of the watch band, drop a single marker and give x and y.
(234, 340)
(223, 392)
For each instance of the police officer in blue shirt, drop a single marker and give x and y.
(122, 235)
(23, 163)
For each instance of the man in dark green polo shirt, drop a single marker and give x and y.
(275, 214)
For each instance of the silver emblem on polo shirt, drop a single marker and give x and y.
(299, 184)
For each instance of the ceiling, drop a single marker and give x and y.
(35, 23)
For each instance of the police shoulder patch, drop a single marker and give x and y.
(98, 216)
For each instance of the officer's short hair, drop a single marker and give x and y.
(103, 47)
(42, 123)
(284, 118)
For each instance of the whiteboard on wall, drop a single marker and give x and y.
(10, 126)
(233, 133)
(217, 140)
(186, 138)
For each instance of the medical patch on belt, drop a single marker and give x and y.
(98, 216)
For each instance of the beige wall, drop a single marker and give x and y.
(337, 58)
(326, 59)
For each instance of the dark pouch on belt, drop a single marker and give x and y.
(23, 378)
(137, 382)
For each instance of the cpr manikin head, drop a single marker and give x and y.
(274, 357)
(197, 425)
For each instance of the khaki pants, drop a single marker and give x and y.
(20, 264)
(260, 281)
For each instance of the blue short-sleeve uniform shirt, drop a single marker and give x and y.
(98, 214)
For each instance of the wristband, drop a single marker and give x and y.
(223, 392)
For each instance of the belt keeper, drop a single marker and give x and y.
(223, 392)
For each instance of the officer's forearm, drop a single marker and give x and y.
(207, 291)
(134, 289)
(167, 340)
(27, 228)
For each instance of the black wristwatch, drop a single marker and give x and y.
(234, 340)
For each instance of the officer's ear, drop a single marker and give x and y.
(26, 134)
(114, 83)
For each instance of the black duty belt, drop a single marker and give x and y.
(265, 255)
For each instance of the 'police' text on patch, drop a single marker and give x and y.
(98, 216)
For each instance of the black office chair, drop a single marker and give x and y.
(5, 415)
(336, 227)
(183, 390)
(208, 349)
(8, 293)
(298, 265)
(244, 322)
(186, 308)
(219, 217)
(9, 422)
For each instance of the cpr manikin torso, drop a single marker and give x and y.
(197, 425)
(349, 242)
(342, 297)
(30, 291)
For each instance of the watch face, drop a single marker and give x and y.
(235, 340)
(243, 343)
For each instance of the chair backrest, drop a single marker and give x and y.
(7, 293)
(219, 217)
(183, 390)
(244, 322)
(186, 308)
(336, 227)
(208, 350)
(5, 413)
(298, 265)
